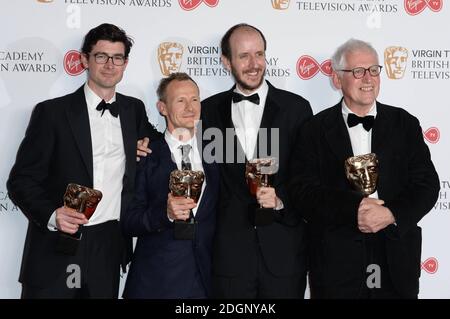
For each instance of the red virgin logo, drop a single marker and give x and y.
(432, 135)
(430, 265)
(189, 5)
(72, 63)
(308, 67)
(413, 7)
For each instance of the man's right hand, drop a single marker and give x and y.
(142, 148)
(68, 220)
(179, 207)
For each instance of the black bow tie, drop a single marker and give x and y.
(254, 98)
(366, 121)
(112, 107)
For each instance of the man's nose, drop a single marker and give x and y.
(366, 175)
(188, 106)
(252, 61)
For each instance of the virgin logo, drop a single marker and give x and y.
(189, 5)
(414, 7)
(430, 265)
(308, 67)
(432, 135)
(72, 63)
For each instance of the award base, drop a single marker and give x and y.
(261, 216)
(184, 230)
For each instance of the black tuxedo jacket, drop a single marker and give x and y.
(164, 267)
(57, 150)
(282, 242)
(408, 183)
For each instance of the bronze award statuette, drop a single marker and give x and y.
(362, 173)
(186, 183)
(84, 200)
(259, 172)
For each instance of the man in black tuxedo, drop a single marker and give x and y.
(80, 138)
(363, 247)
(255, 257)
(166, 264)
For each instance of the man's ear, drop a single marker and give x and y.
(226, 63)
(84, 60)
(161, 108)
(336, 80)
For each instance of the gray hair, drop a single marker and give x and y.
(339, 58)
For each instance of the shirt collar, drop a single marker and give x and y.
(262, 91)
(173, 142)
(346, 111)
(92, 99)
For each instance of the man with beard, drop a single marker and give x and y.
(259, 252)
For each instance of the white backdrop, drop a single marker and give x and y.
(301, 35)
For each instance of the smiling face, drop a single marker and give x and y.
(359, 94)
(248, 60)
(181, 105)
(104, 77)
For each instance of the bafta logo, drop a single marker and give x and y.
(280, 4)
(170, 55)
(395, 59)
(362, 173)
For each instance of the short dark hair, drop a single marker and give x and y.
(225, 42)
(108, 32)
(164, 83)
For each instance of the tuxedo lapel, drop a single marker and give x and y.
(78, 119)
(336, 134)
(128, 125)
(271, 109)
(382, 128)
(232, 144)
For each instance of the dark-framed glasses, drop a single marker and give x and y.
(103, 58)
(360, 72)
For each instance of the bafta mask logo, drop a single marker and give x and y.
(189, 5)
(280, 4)
(308, 67)
(362, 173)
(395, 60)
(413, 7)
(430, 265)
(72, 63)
(432, 135)
(170, 55)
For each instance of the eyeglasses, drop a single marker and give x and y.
(360, 72)
(102, 58)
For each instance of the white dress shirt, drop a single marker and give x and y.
(194, 157)
(360, 139)
(246, 117)
(108, 156)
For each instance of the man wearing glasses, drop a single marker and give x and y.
(89, 138)
(363, 247)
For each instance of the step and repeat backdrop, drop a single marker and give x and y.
(39, 59)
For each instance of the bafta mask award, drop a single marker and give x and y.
(186, 183)
(362, 173)
(259, 172)
(84, 200)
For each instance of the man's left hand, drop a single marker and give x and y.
(142, 148)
